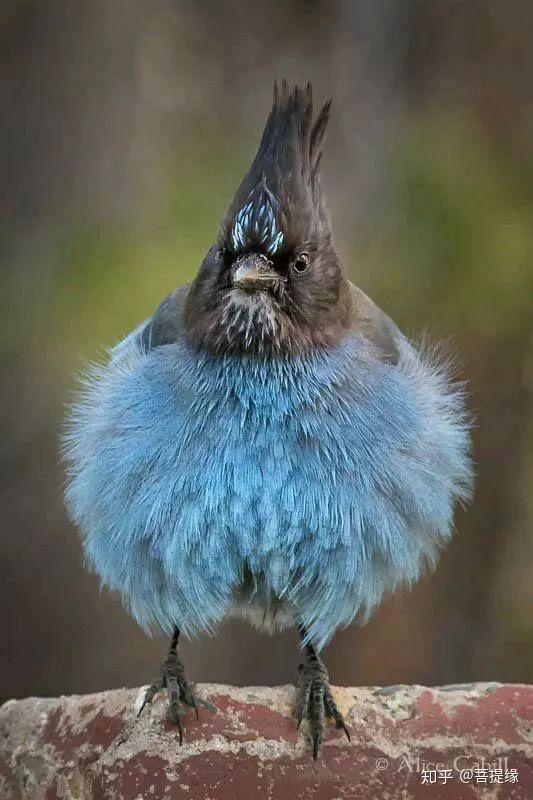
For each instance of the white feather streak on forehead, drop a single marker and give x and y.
(256, 221)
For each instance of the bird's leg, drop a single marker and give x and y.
(172, 677)
(314, 700)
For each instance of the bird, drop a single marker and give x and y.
(268, 444)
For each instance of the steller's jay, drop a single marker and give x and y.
(268, 444)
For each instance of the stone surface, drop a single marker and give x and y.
(403, 739)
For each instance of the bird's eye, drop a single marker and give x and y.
(301, 264)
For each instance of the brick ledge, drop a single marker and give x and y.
(93, 747)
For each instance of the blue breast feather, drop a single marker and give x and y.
(188, 472)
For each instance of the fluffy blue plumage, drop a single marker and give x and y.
(297, 488)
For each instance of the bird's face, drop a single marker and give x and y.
(252, 300)
(272, 284)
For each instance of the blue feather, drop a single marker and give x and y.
(330, 478)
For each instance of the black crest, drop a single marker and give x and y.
(278, 204)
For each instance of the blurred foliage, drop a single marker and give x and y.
(104, 279)
(457, 238)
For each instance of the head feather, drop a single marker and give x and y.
(279, 203)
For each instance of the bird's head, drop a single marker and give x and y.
(272, 283)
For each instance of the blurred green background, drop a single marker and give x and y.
(126, 127)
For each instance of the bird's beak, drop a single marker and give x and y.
(253, 272)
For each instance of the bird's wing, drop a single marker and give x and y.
(166, 325)
(375, 326)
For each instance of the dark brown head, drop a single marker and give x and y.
(272, 283)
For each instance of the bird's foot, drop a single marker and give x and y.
(179, 690)
(314, 700)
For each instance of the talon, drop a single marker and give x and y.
(174, 715)
(140, 711)
(178, 689)
(150, 693)
(314, 700)
(194, 705)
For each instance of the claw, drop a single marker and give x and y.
(194, 705)
(315, 701)
(150, 693)
(174, 711)
(180, 730)
(317, 741)
(174, 714)
(178, 690)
